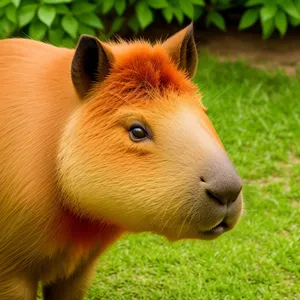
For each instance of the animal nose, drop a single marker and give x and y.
(223, 186)
(224, 193)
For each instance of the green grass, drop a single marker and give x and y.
(257, 115)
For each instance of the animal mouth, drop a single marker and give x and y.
(215, 231)
(222, 226)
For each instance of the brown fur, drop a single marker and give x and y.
(64, 174)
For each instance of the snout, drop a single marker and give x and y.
(221, 197)
(224, 188)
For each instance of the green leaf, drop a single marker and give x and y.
(178, 14)
(144, 14)
(4, 2)
(16, 3)
(216, 19)
(249, 18)
(116, 25)
(254, 2)
(294, 21)
(168, 14)
(68, 42)
(37, 30)
(11, 13)
(6, 28)
(281, 22)
(70, 25)
(92, 20)
(198, 11)
(297, 3)
(82, 7)
(187, 8)
(268, 12)
(289, 7)
(133, 24)
(57, 1)
(107, 6)
(268, 28)
(56, 22)
(56, 35)
(62, 9)
(157, 4)
(26, 13)
(46, 14)
(198, 2)
(83, 29)
(2, 13)
(120, 6)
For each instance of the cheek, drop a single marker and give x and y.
(110, 173)
(124, 174)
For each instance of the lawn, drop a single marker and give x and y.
(257, 115)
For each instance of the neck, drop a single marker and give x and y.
(81, 231)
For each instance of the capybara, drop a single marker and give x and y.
(97, 141)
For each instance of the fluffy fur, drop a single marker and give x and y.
(71, 180)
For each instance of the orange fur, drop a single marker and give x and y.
(71, 181)
(145, 68)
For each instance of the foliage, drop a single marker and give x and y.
(61, 21)
(272, 14)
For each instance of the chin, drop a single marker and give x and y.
(210, 234)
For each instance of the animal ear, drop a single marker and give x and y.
(182, 49)
(91, 63)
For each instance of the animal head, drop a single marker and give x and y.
(140, 151)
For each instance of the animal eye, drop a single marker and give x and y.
(138, 133)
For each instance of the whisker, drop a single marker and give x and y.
(180, 205)
(187, 216)
(165, 210)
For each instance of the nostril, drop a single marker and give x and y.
(202, 179)
(214, 196)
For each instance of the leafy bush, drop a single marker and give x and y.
(61, 21)
(272, 14)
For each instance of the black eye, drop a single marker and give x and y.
(138, 133)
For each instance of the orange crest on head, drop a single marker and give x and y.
(144, 71)
(136, 69)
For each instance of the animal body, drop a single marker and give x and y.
(96, 141)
